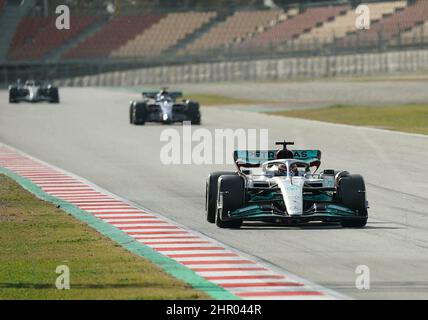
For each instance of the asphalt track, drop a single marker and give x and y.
(89, 135)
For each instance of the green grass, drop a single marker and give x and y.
(36, 237)
(213, 99)
(411, 118)
(204, 99)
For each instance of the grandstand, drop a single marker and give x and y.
(149, 32)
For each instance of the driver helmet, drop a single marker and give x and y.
(282, 169)
(294, 171)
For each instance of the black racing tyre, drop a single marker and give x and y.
(352, 194)
(233, 190)
(211, 194)
(196, 122)
(13, 93)
(194, 113)
(139, 114)
(54, 95)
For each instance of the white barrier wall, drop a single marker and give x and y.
(259, 70)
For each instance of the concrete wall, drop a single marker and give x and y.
(259, 70)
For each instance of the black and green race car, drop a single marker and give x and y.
(283, 186)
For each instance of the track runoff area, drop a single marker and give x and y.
(233, 275)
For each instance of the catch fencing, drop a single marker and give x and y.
(364, 64)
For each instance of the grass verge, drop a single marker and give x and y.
(204, 99)
(412, 118)
(36, 237)
(214, 99)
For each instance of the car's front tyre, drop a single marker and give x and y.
(138, 113)
(231, 195)
(352, 194)
(211, 194)
(13, 93)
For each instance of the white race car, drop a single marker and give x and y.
(163, 107)
(278, 186)
(33, 91)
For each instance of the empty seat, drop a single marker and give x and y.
(235, 28)
(36, 37)
(390, 27)
(164, 34)
(293, 27)
(112, 36)
(342, 24)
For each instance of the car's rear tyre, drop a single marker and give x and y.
(211, 194)
(232, 190)
(194, 113)
(352, 194)
(54, 95)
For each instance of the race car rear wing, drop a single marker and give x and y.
(152, 94)
(247, 158)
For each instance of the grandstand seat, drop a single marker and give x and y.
(37, 36)
(345, 23)
(418, 34)
(112, 36)
(27, 30)
(390, 27)
(235, 28)
(295, 26)
(164, 34)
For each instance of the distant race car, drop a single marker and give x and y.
(278, 186)
(33, 91)
(163, 107)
